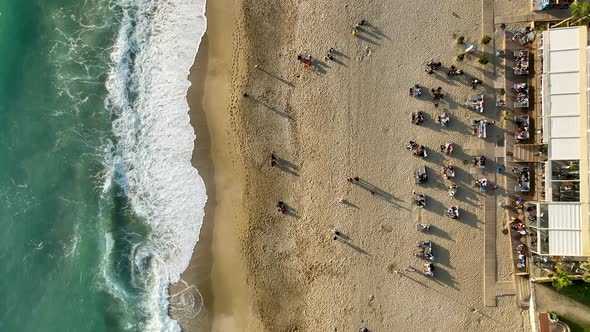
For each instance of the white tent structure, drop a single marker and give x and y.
(563, 219)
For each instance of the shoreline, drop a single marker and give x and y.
(216, 269)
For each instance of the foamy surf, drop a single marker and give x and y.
(147, 85)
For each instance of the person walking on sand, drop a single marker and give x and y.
(356, 179)
(273, 160)
(336, 234)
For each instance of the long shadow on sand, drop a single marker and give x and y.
(349, 203)
(378, 192)
(469, 219)
(354, 247)
(291, 212)
(289, 83)
(365, 35)
(442, 255)
(270, 107)
(435, 206)
(466, 193)
(287, 166)
(439, 232)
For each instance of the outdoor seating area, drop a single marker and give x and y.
(523, 179)
(521, 59)
(544, 266)
(521, 90)
(518, 231)
(523, 123)
(479, 127)
(475, 103)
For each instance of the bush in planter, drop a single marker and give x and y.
(460, 40)
(561, 277)
(461, 56)
(483, 59)
(486, 40)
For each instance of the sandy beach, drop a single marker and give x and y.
(260, 270)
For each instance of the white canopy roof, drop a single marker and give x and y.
(565, 229)
(561, 92)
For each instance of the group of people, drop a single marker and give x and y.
(437, 95)
(522, 132)
(447, 148)
(443, 119)
(330, 55)
(431, 66)
(417, 117)
(479, 161)
(358, 26)
(417, 149)
(416, 90)
(454, 71)
(307, 60)
(521, 62)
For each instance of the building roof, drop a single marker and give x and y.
(565, 106)
(561, 92)
(565, 229)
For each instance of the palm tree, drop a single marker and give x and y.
(580, 14)
(561, 277)
(586, 276)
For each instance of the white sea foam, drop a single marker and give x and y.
(147, 86)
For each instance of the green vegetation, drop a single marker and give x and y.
(580, 13)
(483, 59)
(461, 56)
(460, 40)
(579, 291)
(586, 276)
(486, 40)
(561, 278)
(541, 27)
(574, 324)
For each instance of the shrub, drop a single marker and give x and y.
(483, 59)
(561, 277)
(461, 56)
(486, 40)
(460, 40)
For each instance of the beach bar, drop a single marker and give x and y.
(561, 220)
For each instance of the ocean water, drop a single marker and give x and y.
(100, 207)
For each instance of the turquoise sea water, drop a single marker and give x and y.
(99, 206)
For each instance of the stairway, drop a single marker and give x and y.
(523, 291)
(527, 153)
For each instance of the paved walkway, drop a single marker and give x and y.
(556, 15)
(523, 290)
(489, 151)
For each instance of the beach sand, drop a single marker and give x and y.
(259, 270)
